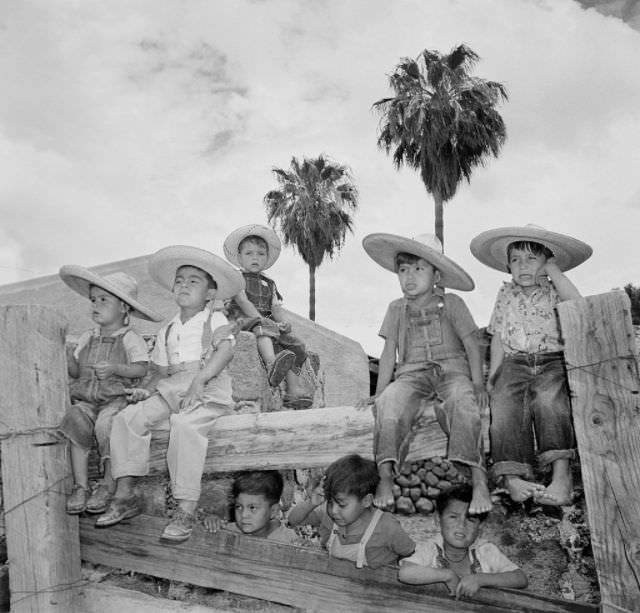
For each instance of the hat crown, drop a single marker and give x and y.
(124, 283)
(429, 240)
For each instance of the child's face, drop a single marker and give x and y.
(254, 513)
(191, 288)
(253, 256)
(106, 309)
(416, 279)
(459, 529)
(345, 509)
(525, 267)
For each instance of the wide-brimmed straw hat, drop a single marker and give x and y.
(120, 284)
(164, 263)
(490, 247)
(232, 242)
(383, 248)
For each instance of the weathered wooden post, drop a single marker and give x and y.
(42, 540)
(602, 366)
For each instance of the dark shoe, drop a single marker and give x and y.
(119, 509)
(297, 402)
(77, 501)
(280, 367)
(179, 529)
(99, 500)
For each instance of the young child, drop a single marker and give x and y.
(434, 339)
(527, 377)
(349, 525)
(256, 502)
(254, 248)
(107, 360)
(458, 557)
(189, 389)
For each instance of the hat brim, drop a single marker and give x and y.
(80, 280)
(490, 247)
(164, 263)
(234, 239)
(383, 249)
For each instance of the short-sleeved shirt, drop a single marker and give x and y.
(387, 544)
(184, 341)
(444, 335)
(133, 343)
(484, 557)
(527, 323)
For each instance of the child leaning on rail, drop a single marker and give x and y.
(106, 361)
(350, 526)
(256, 507)
(458, 556)
(527, 377)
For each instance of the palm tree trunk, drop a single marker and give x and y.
(439, 215)
(312, 293)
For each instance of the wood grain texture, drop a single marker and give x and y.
(297, 576)
(42, 540)
(602, 368)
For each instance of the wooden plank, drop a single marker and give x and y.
(42, 540)
(296, 439)
(602, 367)
(297, 576)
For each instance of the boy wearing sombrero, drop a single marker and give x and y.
(106, 361)
(190, 387)
(253, 249)
(527, 378)
(430, 352)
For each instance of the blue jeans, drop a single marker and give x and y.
(399, 407)
(530, 392)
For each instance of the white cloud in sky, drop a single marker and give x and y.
(130, 125)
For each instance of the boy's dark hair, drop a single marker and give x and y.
(351, 475)
(532, 246)
(255, 240)
(462, 492)
(267, 483)
(210, 280)
(409, 258)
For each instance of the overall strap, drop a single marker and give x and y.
(361, 559)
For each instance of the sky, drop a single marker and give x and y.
(131, 125)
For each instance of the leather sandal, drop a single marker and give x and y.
(280, 367)
(99, 500)
(77, 501)
(119, 509)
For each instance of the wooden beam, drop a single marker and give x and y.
(602, 367)
(42, 540)
(297, 576)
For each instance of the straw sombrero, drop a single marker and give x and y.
(120, 284)
(383, 248)
(490, 247)
(234, 239)
(164, 263)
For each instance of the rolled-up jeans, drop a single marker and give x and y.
(398, 408)
(530, 393)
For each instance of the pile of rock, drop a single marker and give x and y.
(418, 484)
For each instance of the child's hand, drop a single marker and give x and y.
(284, 327)
(482, 395)
(549, 267)
(468, 585)
(315, 491)
(213, 523)
(136, 394)
(363, 403)
(104, 369)
(193, 397)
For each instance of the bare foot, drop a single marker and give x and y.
(559, 491)
(481, 499)
(384, 494)
(520, 490)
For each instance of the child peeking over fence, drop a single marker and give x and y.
(106, 361)
(256, 507)
(458, 557)
(350, 526)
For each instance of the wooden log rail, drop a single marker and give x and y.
(297, 576)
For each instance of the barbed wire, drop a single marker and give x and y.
(585, 367)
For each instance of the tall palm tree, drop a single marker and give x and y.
(312, 207)
(442, 121)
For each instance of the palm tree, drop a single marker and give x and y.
(442, 121)
(312, 207)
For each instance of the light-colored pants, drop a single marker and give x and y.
(188, 441)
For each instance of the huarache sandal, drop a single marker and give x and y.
(99, 500)
(179, 529)
(119, 509)
(297, 402)
(77, 501)
(280, 367)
